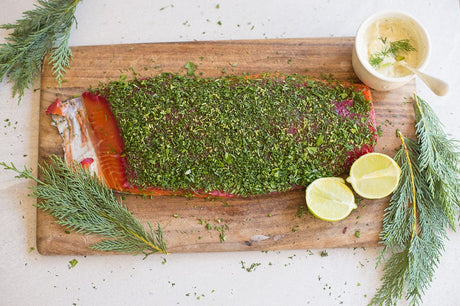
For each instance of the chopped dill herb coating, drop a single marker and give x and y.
(240, 135)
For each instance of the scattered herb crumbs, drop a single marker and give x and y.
(191, 67)
(324, 254)
(222, 229)
(72, 263)
(163, 262)
(251, 268)
(357, 234)
(295, 228)
(302, 211)
(165, 7)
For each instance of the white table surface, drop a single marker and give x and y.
(296, 277)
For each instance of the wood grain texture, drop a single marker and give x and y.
(259, 223)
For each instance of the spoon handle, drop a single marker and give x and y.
(439, 87)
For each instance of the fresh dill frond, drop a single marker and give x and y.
(375, 60)
(440, 160)
(81, 202)
(400, 46)
(395, 49)
(42, 31)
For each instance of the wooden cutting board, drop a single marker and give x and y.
(272, 222)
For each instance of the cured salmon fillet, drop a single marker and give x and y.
(96, 133)
(91, 137)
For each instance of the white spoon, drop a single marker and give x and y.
(436, 85)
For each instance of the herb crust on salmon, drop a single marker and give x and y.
(227, 136)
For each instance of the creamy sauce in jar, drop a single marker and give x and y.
(392, 29)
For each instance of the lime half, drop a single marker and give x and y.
(374, 175)
(330, 199)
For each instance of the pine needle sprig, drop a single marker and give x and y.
(439, 160)
(82, 203)
(413, 232)
(43, 30)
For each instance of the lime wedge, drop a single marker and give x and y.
(330, 199)
(374, 175)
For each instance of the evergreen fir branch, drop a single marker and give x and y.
(413, 231)
(43, 30)
(425, 203)
(394, 279)
(398, 218)
(81, 202)
(439, 159)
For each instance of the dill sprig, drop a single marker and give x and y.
(420, 210)
(81, 202)
(43, 30)
(396, 49)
